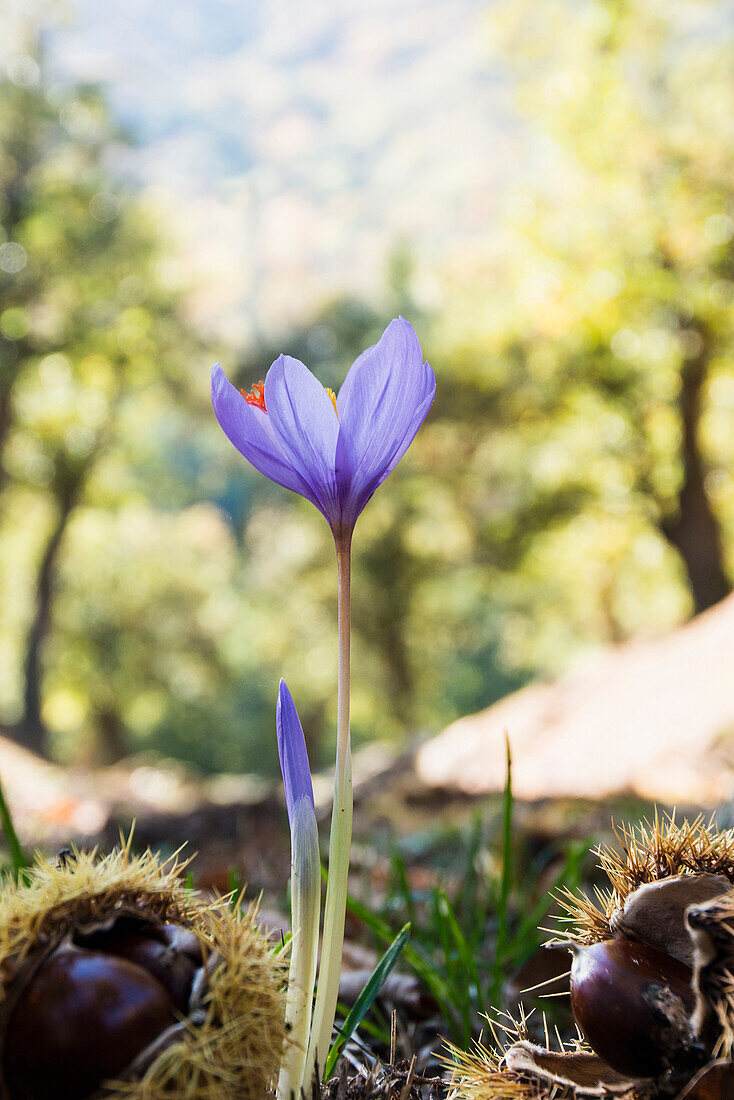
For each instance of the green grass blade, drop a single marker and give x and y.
(527, 935)
(401, 878)
(366, 998)
(460, 962)
(285, 939)
(422, 966)
(467, 899)
(235, 885)
(462, 946)
(441, 926)
(503, 905)
(18, 859)
(381, 1034)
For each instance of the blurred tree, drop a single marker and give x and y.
(138, 615)
(591, 355)
(86, 329)
(635, 99)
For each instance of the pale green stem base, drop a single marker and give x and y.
(340, 839)
(305, 910)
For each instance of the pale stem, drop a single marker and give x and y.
(341, 833)
(305, 907)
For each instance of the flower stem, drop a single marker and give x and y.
(341, 832)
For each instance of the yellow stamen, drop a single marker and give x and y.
(332, 395)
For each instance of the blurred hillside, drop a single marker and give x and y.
(293, 143)
(654, 718)
(572, 488)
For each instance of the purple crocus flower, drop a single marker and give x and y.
(292, 752)
(335, 451)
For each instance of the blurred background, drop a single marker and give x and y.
(545, 191)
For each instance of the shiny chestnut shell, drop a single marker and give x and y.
(82, 1018)
(171, 953)
(632, 1003)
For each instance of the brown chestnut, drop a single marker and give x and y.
(171, 953)
(82, 1018)
(633, 1004)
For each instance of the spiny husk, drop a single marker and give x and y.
(650, 851)
(513, 1068)
(478, 1073)
(234, 1053)
(85, 889)
(715, 970)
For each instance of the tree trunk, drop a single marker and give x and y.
(694, 531)
(31, 730)
(6, 416)
(24, 145)
(111, 740)
(382, 622)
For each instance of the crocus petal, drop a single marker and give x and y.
(248, 428)
(292, 751)
(413, 424)
(306, 427)
(384, 400)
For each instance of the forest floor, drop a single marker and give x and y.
(434, 857)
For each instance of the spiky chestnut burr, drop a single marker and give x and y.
(670, 889)
(651, 852)
(514, 1068)
(118, 981)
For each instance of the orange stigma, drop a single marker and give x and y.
(256, 396)
(332, 395)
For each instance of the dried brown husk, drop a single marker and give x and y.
(714, 1082)
(684, 859)
(232, 1050)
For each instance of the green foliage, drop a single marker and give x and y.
(119, 574)
(503, 914)
(469, 935)
(18, 859)
(573, 484)
(587, 364)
